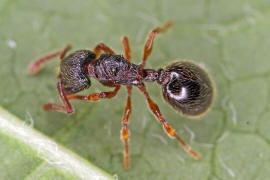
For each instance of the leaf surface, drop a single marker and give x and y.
(231, 39)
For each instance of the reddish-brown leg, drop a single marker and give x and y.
(127, 112)
(96, 96)
(167, 127)
(150, 40)
(126, 48)
(125, 131)
(52, 106)
(68, 108)
(38, 63)
(105, 48)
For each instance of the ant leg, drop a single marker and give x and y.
(96, 96)
(105, 48)
(127, 112)
(64, 52)
(150, 40)
(127, 50)
(125, 131)
(52, 106)
(37, 64)
(167, 127)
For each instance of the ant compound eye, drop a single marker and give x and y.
(84, 55)
(189, 89)
(92, 56)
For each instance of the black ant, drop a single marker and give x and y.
(185, 85)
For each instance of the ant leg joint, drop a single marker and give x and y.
(125, 133)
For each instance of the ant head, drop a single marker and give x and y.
(72, 71)
(188, 88)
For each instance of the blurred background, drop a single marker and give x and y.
(229, 38)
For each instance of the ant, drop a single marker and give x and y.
(185, 85)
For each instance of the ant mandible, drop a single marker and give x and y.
(185, 85)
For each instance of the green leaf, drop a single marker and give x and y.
(29, 154)
(230, 38)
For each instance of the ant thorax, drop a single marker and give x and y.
(116, 69)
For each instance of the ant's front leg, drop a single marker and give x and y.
(38, 63)
(167, 127)
(52, 106)
(96, 96)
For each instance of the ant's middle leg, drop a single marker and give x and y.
(167, 127)
(52, 106)
(150, 40)
(96, 96)
(38, 63)
(127, 112)
(105, 48)
(126, 48)
(125, 131)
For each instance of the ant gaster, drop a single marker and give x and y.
(185, 85)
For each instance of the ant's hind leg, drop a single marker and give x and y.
(37, 64)
(52, 106)
(167, 127)
(150, 40)
(105, 48)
